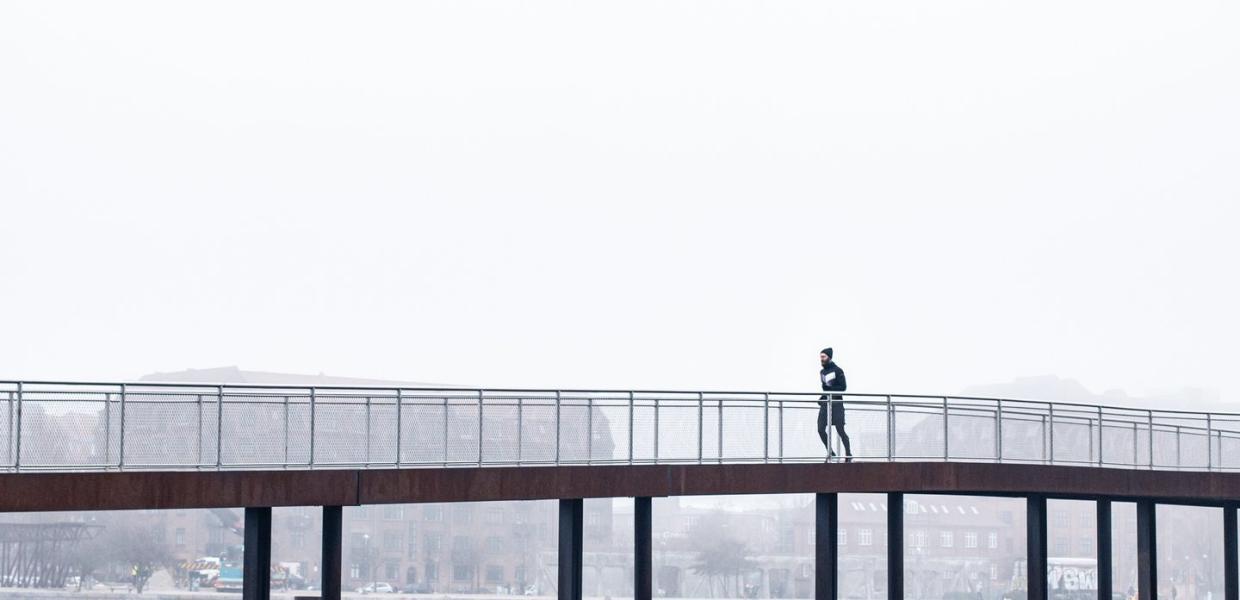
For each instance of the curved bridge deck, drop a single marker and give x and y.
(94, 446)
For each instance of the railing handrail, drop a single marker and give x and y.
(553, 391)
(324, 426)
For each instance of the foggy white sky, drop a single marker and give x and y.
(623, 194)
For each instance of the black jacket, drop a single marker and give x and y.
(833, 380)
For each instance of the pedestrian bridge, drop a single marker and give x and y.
(94, 446)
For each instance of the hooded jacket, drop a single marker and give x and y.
(833, 380)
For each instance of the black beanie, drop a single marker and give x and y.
(829, 352)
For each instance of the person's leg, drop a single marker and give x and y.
(839, 429)
(824, 419)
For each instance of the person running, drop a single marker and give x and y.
(831, 406)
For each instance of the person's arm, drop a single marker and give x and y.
(838, 383)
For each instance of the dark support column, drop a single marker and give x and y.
(256, 580)
(570, 549)
(1231, 554)
(1035, 546)
(826, 527)
(895, 546)
(1147, 551)
(1104, 550)
(329, 563)
(643, 549)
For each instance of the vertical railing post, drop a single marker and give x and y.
(107, 430)
(400, 413)
(481, 414)
(589, 429)
(1050, 432)
(1209, 443)
(17, 434)
(780, 430)
(314, 397)
(521, 428)
(219, 428)
(766, 427)
(826, 551)
(198, 463)
(286, 431)
(701, 410)
(1150, 414)
(999, 430)
(830, 424)
(656, 428)
(1042, 436)
(946, 433)
(720, 439)
(120, 462)
(557, 427)
(369, 445)
(1100, 446)
(1177, 446)
(631, 417)
(1136, 453)
(891, 430)
(445, 430)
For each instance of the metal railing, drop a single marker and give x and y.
(61, 426)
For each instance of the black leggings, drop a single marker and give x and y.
(824, 419)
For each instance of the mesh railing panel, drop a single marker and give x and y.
(86, 427)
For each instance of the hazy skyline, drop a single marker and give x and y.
(672, 194)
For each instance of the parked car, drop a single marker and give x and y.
(417, 588)
(381, 587)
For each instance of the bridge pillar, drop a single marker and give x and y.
(895, 546)
(329, 563)
(826, 563)
(570, 560)
(1104, 549)
(1035, 546)
(1231, 554)
(1147, 550)
(256, 578)
(643, 582)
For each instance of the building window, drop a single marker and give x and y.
(812, 535)
(355, 571)
(462, 572)
(413, 548)
(392, 541)
(1087, 545)
(970, 539)
(992, 540)
(494, 515)
(389, 571)
(593, 519)
(495, 545)
(299, 540)
(1087, 519)
(432, 571)
(180, 537)
(393, 512)
(1061, 546)
(357, 512)
(994, 572)
(495, 573)
(946, 539)
(1061, 518)
(917, 539)
(463, 514)
(432, 513)
(433, 543)
(841, 537)
(865, 537)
